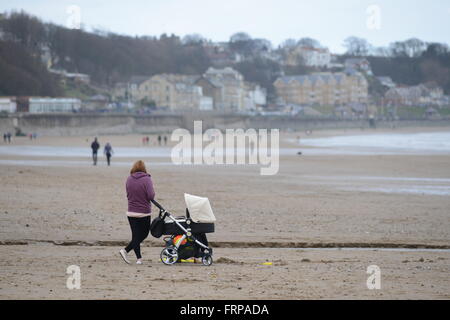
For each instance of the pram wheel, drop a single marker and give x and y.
(169, 255)
(207, 260)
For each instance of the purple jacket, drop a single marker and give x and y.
(139, 192)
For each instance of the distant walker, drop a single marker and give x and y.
(108, 151)
(95, 146)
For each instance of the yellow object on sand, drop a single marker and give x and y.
(182, 260)
(267, 263)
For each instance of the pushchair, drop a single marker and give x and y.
(182, 242)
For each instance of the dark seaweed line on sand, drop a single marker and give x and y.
(237, 244)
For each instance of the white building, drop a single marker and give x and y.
(79, 77)
(312, 57)
(45, 105)
(255, 98)
(358, 64)
(387, 82)
(76, 77)
(7, 105)
(316, 57)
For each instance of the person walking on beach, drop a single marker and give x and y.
(8, 135)
(95, 146)
(5, 137)
(108, 151)
(140, 192)
(159, 140)
(165, 140)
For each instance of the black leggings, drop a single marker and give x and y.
(140, 227)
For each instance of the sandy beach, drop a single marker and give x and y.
(39, 272)
(376, 199)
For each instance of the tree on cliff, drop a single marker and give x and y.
(24, 74)
(106, 57)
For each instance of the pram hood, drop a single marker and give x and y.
(199, 209)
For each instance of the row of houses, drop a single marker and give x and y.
(217, 89)
(221, 54)
(324, 88)
(419, 95)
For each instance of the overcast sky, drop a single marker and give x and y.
(329, 21)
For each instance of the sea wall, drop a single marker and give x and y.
(98, 124)
(90, 124)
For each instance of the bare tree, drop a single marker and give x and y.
(309, 42)
(357, 46)
(382, 52)
(288, 44)
(240, 36)
(194, 38)
(415, 47)
(262, 44)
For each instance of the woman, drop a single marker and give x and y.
(108, 151)
(140, 192)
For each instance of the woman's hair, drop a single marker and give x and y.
(138, 166)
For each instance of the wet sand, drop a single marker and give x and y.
(374, 199)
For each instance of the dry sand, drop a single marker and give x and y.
(313, 199)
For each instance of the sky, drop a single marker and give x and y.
(329, 21)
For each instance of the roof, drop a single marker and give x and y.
(138, 79)
(315, 77)
(98, 97)
(383, 78)
(216, 83)
(179, 78)
(211, 81)
(356, 60)
(226, 70)
(321, 50)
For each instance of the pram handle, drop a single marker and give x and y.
(157, 205)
